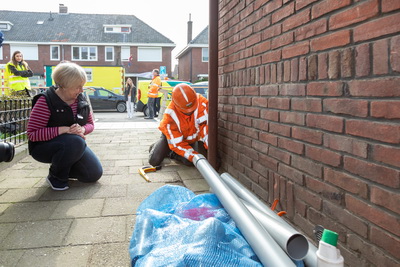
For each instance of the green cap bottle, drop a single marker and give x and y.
(329, 237)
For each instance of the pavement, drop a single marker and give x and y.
(89, 224)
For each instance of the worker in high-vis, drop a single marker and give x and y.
(154, 87)
(184, 127)
(16, 75)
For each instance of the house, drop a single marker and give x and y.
(193, 59)
(45, 39)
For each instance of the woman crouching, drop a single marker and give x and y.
(59, 121)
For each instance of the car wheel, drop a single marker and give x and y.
(146, 111)
(121, 107)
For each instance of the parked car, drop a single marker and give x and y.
(101, 98)
(201, 88)
(143, 88)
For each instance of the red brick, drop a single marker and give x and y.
(354, 14)
(270, 90)
(371, 171)
(296, 20)
(385, 109)
(347, 182)
(298, 49)
(268, 114)
(303, 69)
(282, 13)
(390, 5)
(268, 162)
(377, 28)
(279, 72)
(388, 87)
(362, 56)
(322, 66)
(325, 88)
(291, 145)
(312, 67)
(253, 61)
(386, 154)
(251, 132)
(290, 173)
(271, 56)
(326, 6)
(373, 214)
(244, 140)
(346, 62)
(380, 57)
(280, 129)
(334, 65)
(272, 6)
(346, 144)
(294, 70)
(336, 39)
(308, 197)
(323, 155)
(385, 132)
(279, 154)
(268, 138)
(260, 101)
(292, 89)
(346, 218)
(303, 3)
(272, 31)
(282, 40)
(252, 90)
(395, 54)
(292, 118)
(307, 104)
(358, 108)
(385, 240)
(324, 122)
(311, 29)
(308, 135)
(262, 47)
(286, 71)
(260, 146)
(385, 198)
(278, 103)
(245, 120)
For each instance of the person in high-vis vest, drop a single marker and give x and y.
(184, 127)
(154, 86)
(17, 73)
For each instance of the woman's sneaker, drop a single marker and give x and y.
(57, 184)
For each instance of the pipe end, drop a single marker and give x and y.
(196, 158)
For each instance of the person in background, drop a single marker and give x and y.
(130, 97)
(154, 86)
(57, 129)
(185, 122)
(17, 73)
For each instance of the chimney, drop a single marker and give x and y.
(190, 29)
(63, 9)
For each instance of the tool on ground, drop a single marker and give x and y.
(149, 168)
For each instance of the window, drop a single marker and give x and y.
(125, 29)
(54, 52)
(125, 53)
(204, 54)
(1, 53)
(103, 93)
(117, 28)
(85, 53)
(5, 25)
(30, 52)
(109, 53)
(150, 54)
(89, 74)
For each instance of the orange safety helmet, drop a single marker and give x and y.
(184, 98)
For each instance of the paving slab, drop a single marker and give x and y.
(22, 195)
(29, 211)
(78, 208)
(10, 258)
(112, 254)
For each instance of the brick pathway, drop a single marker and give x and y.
(89, 224)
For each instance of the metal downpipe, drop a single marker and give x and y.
(266, 249)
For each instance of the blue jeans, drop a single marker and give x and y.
(151, 105)
(69, 157)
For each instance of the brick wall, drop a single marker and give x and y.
(309, 112)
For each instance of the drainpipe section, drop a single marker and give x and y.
(213, 84)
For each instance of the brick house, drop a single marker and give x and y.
(193, 59)
(309, 113)
(86, 39)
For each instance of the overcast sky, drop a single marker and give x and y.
(169, 17)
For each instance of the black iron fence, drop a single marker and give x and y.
(14, 116)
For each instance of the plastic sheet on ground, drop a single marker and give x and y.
(175, 227)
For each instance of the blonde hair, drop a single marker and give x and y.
(68, 75)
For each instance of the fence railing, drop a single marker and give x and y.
(14, 116)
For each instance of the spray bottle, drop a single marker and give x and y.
(327, 254)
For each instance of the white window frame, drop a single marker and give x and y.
(51, 52)
(149, 54)
(80, 53)
(202, 54)
(105, 53)
(89, 74)
(125, 53)
(1, 53)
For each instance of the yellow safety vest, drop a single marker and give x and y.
(17, 83)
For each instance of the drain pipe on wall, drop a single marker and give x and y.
(213, 84)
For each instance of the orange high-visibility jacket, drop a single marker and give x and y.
(182, 130)
(154, 86)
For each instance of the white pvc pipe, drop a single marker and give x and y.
(264, 246)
